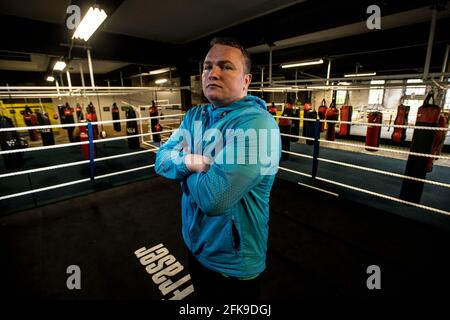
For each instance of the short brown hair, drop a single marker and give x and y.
(230, 42)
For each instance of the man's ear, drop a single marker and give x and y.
(247, 80)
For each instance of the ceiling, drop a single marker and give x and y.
(140, 36)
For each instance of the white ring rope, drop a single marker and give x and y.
(386, 149)
(123, 171)
(14, 195)
(384, 196)
(296, 172)
(437, 183)
(71, 164)
(79, 124)
(81, 142)
(367, 123)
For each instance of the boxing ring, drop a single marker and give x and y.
(331, 218)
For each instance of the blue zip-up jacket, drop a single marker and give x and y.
(225, 211)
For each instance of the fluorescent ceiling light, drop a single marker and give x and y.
(302, 63)
(91, 21)
(159, 81)
(50, 79)
(59, 66)
(159, 71)
(367, 74)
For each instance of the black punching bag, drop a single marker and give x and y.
(10, 140)
(132, 129)
(422, 142)
(47, 133)
(116, 116)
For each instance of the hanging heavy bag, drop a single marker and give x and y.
(295, 130)
(68, 119)
(132, 129)
(91, 116)
(331, 114)
(285, 128)
(46, 133)
(10, 140)
(345, 115)
(322, 112)
(116, 116)
(373, 133)
(84, 136)
(422, 142)
(273, 109)
(30, 120)
(439, 138)
(308, 126)
(79, 112)
(399, 134)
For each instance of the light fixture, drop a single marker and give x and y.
(50, 78)
(90, 22)
(366, 74)
(160, 81)
(344, 83)
(59, 66)
(302, 63)
(159, 71)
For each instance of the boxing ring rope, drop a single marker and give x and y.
(441, 184)
(77, 163)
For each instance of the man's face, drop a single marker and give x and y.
(224, 80)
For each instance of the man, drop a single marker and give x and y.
(225, 154)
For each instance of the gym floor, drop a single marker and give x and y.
(319, 246)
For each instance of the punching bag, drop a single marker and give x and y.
(116, 116)
(322, 111)
(373, 133)
(79, 112)
(295, 130)
(273, 109)
(331, 114)
(399, 134)
(30, 120)
(346, 115)
(422, 142)
(47, 133)
(10, 140)
(66, 116)
(154, 122)
(439, 138)
(285, 128)
(132, 129)
(308, 126)
(91, 116)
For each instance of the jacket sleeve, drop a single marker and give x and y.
(170, 157)
(226, 183)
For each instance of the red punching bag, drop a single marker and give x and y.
(322, 112)
(399, 134)
(428, 115)
(439, 138)
(331, 114)
(346, 115)
(373, 132)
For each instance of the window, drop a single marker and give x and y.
(340, 96)
(376, 93)
(415, 94)
(415, 90)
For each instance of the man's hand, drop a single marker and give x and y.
(197, 162)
